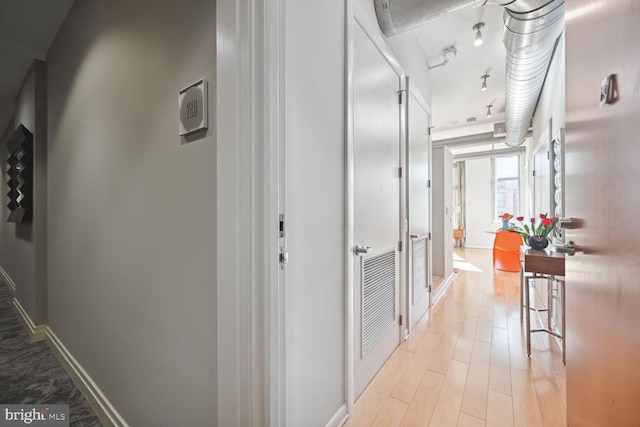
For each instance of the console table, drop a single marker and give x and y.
(547, 265)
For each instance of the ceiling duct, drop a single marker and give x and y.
(398, 16)
(468, 141)
(471, 140)
(532, 28)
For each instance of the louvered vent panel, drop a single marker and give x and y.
(378, 297)
(420, 267)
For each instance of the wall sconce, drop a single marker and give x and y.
(489, 110)
(476, 28)
(484, 82)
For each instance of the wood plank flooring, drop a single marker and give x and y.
(465, 363)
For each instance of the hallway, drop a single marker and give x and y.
(466, 364)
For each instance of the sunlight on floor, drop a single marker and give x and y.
(465, 362)
(460, 263)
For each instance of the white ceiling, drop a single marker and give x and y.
(456, 94)
(27, 28)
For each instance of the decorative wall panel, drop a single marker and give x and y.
(20, 171)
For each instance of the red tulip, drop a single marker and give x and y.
(543, 216)
(520, 218)
(547, 222)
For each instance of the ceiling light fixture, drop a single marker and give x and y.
(484, 82)
(489, 110)
(476, 28)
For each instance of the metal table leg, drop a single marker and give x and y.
(527, 310)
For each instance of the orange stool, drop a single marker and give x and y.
(506, 248)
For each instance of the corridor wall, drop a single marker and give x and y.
(23, 245)
(132, 206)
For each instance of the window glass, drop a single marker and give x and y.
(507, 185)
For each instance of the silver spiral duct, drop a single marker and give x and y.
(530, 39)
(532, 28)
(398, 16)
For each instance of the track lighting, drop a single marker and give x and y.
(476, 28)
(484, 82)
(489, 110)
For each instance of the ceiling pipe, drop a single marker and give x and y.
(532, 28)
(530, 39)
(502, 152)
(398, 16)
(471, 140)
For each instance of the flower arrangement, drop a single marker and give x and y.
(538, 231)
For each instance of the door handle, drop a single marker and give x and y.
(413, 236)
(569, 223)
(568, 249)
(362, 250)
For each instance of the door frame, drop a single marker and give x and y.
(250, 148)
(357, 16)
(407, 179)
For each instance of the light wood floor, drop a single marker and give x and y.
(465, 363)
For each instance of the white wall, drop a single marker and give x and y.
(407, 51)
(479, 211)
(549, 118)
(315, 140)
(132, 206)
(442, 200)
(551, 104)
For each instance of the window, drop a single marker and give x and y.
(506, 178)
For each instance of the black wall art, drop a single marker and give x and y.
(20, 171)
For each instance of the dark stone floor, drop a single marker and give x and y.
(30, 373)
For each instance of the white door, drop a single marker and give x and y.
(376, 210)
(418, 183)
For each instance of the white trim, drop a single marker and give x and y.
(477, 247)
(233, 392)
(339, 418)
(36, 333)
(249, 355)
(435, 297)
(8, 280)
(372, 30)
(275, 204)
(349, 212)
(105, 411)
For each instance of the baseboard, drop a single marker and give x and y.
(101, 406)
(105, 411)
(36, 333)
(8, 280)
(442, 289)
(339, 417)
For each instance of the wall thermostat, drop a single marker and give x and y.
(193, 108)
